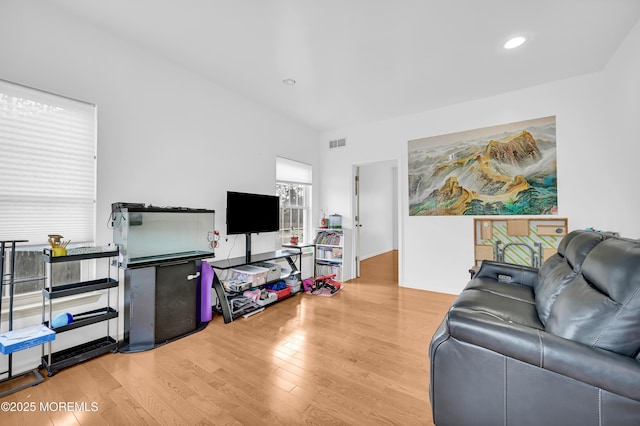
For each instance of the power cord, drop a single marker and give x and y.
(232, 245)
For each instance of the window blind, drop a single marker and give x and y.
(47, 166)
(292, 171)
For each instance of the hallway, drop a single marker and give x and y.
(382, 268)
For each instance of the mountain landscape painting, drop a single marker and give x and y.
(501, 170)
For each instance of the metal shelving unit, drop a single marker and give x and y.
(7, 278)
(225, 304)
(54, 361)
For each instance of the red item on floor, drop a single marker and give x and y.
(281, 293)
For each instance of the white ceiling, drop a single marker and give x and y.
(365, 60)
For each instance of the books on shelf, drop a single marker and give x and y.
(329, 253)
(322, 269)
(333, 238)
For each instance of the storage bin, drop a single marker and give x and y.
(293, 283)
(236, 286)
(250, 274)
(295, 288)
(275, 270)
(271, 297)
(281, 293)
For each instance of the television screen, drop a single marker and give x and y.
(252, 213)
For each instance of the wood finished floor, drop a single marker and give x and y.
(357, 358)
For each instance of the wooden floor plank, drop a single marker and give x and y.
(357, 358)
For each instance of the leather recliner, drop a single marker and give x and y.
(559, 345)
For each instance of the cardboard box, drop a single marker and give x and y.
(17, 340)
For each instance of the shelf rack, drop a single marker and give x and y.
(330, 242)
(7, 278)
(54, 361)
(225, 298)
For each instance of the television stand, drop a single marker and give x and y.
(223, 296)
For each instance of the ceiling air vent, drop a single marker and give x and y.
(337, 143)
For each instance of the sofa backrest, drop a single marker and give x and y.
(562, 268)
(601, 306)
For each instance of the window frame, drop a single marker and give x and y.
(39, 127)
(48, 162)
(292, 172)
(283, 236)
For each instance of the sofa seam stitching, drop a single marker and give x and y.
(541, 349)
(505, 390)
(599, 407)
(502, 295)
(626, 302)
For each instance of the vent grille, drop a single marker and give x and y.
(337, 143)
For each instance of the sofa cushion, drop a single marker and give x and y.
(579, 247)
(515, 291)
(603, 369)
(505, 308)
(601, 307)
(562, 268)
(562, 246)
(507, 273)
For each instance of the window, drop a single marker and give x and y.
(47, 175)
(293, 186)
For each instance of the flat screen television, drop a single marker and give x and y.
(252, 213)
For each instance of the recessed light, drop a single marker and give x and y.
(289, 81)
(515, 42)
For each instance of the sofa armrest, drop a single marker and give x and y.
(508, 272)
(606, 370)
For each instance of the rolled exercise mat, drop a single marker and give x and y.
(206, 281)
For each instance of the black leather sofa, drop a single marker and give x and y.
(559, 345)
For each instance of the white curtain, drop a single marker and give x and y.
(292, 171)
(47, 166)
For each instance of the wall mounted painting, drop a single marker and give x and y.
(508, 169)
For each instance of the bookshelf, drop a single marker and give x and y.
(332, 253)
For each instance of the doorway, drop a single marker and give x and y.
(376, 224)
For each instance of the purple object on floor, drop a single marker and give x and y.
(206, 281)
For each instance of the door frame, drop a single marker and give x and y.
(395, 164)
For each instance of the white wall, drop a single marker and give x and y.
(622, 136)
(597, 148)
(165, 136)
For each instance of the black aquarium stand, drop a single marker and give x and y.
(161, 301)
